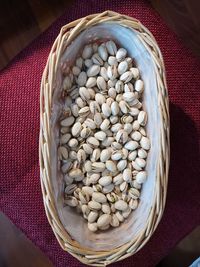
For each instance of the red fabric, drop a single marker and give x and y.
(20, 192)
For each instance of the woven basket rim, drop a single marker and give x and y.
(66, 35)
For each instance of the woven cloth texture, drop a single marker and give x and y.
(20, 192)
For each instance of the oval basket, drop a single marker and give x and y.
(101, 249)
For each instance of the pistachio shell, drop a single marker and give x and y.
(88, 166)
(99, 197)
(126, 76)
(140, 162)
(108, 188)
(90, 124)
(87, 51)
(124, 106)
(116, 155)
(145, 143)
(116, 145)
(139, 86)
(105, 155)
(131, 145)
(76, 70)
(97, 59)
(116, 127)
(121, 136)
(87, 189)
(71, 201)
(111, 47)
(111, 166)
(95, 155)
(100, 135)
(133, 204)
(141, 177)
(112, 73)
(114, 119)
(83, 92)
(65, 138)
(91, 82)
(93, 215)
(103, 73)
(81, 155)
(93, 141)
(112, 92)
(76, 129)
(70, 188)
(67, 122)
(97, 118)
(115, 108)
(94, 178)
(100, 99)
(142, 153)
(94, 107)
(93, 227)
(128, 127)
(132, 155)
(102, 51)
(121, 54)
(136, 136)
(79, 62)
(98, 166)
(75, 173)
(134, 193)
(136, 125)
(73, 143)
(62, 152)
(135, 72)
(105, 180)
(108, 141)
(122, 67)
(112, 61)
(94, 205)
(84, 112)
(129, 96)
(101, 83)
(106, 109)
(80, 102)
(67, 83)
(142, 118)
(121, 205)
(75, 110)
(127, 175)
(104, 220)
(82, 78)
(114, 221)
(88, 63)
(136, 166)
(85, 132)
(126, 212)
(105, 125)
(121, 165)
(93, 70)
(68, 180)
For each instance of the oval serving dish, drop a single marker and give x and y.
(70, 229)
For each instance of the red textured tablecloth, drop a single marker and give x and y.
(20, 193)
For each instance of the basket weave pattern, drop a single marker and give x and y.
(66, 36)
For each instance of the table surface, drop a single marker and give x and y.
(21, 198)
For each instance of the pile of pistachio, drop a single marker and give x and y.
(103, 143)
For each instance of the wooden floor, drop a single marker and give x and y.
(22, 21)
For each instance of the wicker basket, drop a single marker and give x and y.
(101, 249)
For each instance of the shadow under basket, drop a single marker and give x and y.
(70, 229)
